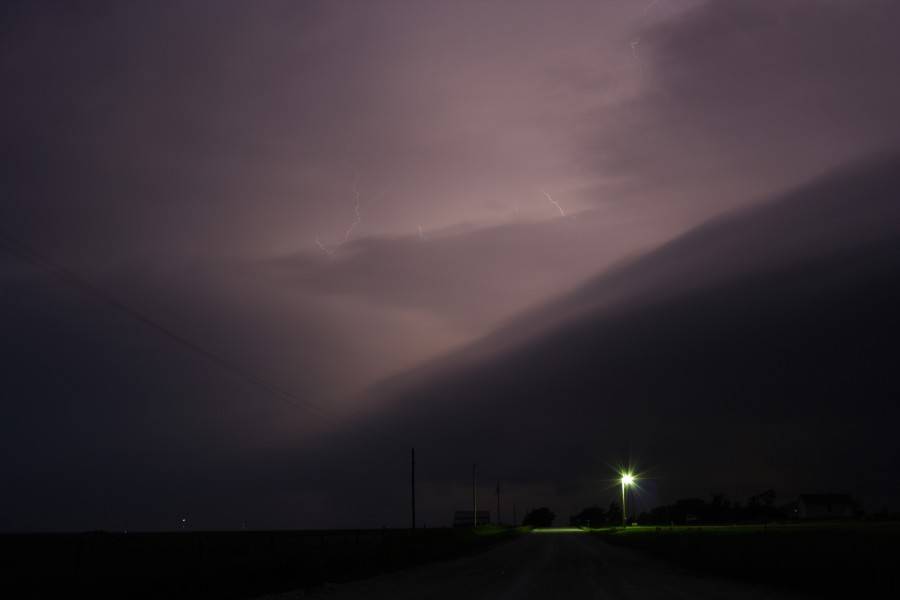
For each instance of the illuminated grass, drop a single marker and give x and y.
(829, 560)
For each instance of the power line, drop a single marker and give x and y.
(22, 251)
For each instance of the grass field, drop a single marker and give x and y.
(825, 560)
(218, 564)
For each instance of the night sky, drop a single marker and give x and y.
(251, 253)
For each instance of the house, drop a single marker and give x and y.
(825, 506)
(463, 518)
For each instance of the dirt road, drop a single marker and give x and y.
(545, 564)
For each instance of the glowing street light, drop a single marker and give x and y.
(626, 480)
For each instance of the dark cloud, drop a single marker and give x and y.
(743, 98)
(751, 353)
(470, 277)
(185, 157)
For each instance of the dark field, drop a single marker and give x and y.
(837, 560)
(217, 564)
(824, 560)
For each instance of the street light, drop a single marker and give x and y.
(626, 480)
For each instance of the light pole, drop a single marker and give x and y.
(626, 480)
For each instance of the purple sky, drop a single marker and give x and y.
(343, 197)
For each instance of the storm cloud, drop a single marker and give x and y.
(530, 235)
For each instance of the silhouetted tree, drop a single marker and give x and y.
(614, 513)
(689, 506)
(539, 517)
(718, 509)
(658, 516)
(761, 505)
(592, 516)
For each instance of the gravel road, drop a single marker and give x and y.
(545, 564)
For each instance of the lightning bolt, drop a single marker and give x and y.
(649, 6)
(634, 45)
(636, 41)
(422, 234)
(323, 247)
(359, 208)
(554, 202)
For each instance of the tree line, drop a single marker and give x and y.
(759, 507)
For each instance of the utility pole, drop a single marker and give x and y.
(474, 499)
(631, 489)
(498, 503)
(414, 488)
(515, 519)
